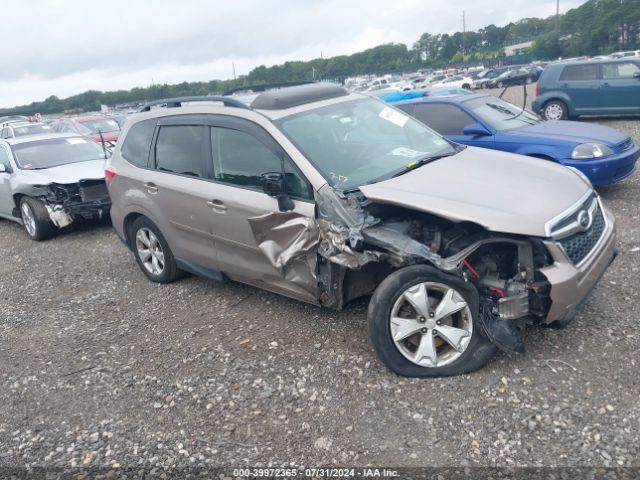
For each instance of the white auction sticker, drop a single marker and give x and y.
(393, 116)
(407, 152)
(76, 141)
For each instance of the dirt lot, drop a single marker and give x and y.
(101, 368)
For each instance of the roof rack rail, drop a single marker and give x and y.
(177, 102)
(264, 87)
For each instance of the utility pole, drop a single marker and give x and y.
(464, 31)
(558, 16)
(233, 67)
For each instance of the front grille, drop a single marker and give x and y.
(626, 145)
(579, 245)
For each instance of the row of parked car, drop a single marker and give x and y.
(99, 128)
(326, 195)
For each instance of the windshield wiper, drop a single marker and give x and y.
(423, 161)
(500, 109)
(513, 116)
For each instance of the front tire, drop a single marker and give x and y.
(555, 110)
(424, 323)
(36, 220)
(152, 252)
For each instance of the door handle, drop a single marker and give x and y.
(151, 188)
(217, 205)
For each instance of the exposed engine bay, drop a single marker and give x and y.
(66, 203)
(354, 244)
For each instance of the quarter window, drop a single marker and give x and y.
(619, 70)
(579, 72)
(444, 119)
(137, 143)
(179, 149)
(241, 159)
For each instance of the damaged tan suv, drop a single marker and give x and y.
(325, 196)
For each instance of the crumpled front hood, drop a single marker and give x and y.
(64, 174)
(500, 191)
(573, 132)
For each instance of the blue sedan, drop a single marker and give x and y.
(603, 154)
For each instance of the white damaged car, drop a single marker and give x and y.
(52, 180)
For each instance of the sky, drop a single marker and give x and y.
(65, 47)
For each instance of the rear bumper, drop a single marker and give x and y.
(605, 171)
(570, 284)
(536, 105)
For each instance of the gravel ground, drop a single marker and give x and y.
(105, 370)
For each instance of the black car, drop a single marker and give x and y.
(515, 77)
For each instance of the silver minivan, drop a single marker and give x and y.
(325, 196)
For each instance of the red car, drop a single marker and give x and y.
(97, 127)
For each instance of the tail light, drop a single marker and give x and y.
(109, 173)
(537, 89)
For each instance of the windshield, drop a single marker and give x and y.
(33, 129)
(362, 141)
(100, 125)
(55, 152)
(501, 115)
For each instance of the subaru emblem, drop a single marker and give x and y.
(583, 220)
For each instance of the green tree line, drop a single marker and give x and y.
(596, 27)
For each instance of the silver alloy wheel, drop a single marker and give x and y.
(553, 111)
(431, 324)
(150, 251)
(28, 219)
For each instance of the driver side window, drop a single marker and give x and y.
(240, 159)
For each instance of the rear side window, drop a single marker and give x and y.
(621, 70)
(180, 149)
(137, 143)
(579, 72)
(444, 119)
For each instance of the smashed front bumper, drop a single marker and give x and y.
(87, 199)
(570, 284)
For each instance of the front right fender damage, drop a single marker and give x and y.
(353, 244)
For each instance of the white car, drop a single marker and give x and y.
(631, 53)
(457, 81)
(402, 85)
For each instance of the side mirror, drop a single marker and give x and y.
(274, 184)
(5, 168)
(476, 130)
(636, 75)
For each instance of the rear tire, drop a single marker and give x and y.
(555, 110)
(152, 252)
(467, 347)
(36, 220)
